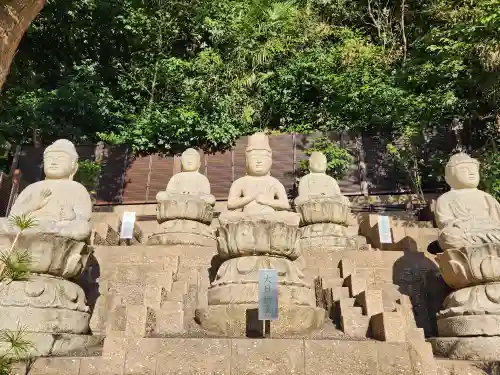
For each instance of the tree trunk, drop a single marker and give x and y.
(15, 18)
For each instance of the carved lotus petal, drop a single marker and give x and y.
(246, 265)
(324, 210)
(54, 255)
(492, 292)
(470, 265)
(185, 208)
(70, 293)
(260, 237)
(33, 289)
(490, 267)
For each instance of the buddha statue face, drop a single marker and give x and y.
(60, 160)
(190, 160)
(462, 172)
(317, 162)
(258, 162)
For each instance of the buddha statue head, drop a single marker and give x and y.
(190, 160)
(462, 172)
(60, 160)
(258, 155)
(317, 162)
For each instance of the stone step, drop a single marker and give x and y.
(460, 367)
(389, 326)
(207, 356)
(354, 325)
(340, 292)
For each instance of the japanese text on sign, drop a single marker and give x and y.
(384, 229)
(268, 294)
(128, 224)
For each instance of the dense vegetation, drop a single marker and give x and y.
(162, 75)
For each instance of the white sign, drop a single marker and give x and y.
(384, 229)
(128, 224)
(268, 294)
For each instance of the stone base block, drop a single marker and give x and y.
(183, 232)
(469, 325)
(43, 304)
(63, 344)
(467, 348)
(242, 320)
(328, 243)
(192, 239)
(203, 356)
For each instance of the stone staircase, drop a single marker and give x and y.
(148, 295)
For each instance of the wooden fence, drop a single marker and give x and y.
(129, 179)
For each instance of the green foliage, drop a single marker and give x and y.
(490, 172)
(17, 265)
(164, 75)
(338, 159)
(23, 221)
(17, 348)
(88, 174)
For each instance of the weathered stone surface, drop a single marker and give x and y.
(58, 344)
(191, 185)
(272, 357)
(194, 356)
(317, 185)
(43, 304)
(325, 213)
(258, 196)
(325, 210)
(185, 207)
(60, 206)
(183, 232)
(237, 320)
(258, 237)
(468, 348)
(51, 254)
(350, 357)
(465, 215)
(469, 325)
(470, 265)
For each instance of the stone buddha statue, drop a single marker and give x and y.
(258, 194)
(465, 215)
(190, 181)
(59, 205)
(317, 184)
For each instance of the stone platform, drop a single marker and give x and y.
(365, 337)
(236, 357)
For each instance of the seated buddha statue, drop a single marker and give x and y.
(258, 195)
(59, 205)
(317, 184)
(465, 215)
(190, 181)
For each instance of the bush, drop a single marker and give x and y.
(338, 158)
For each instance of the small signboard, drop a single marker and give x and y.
(268, 294)
(384, 229)
(128, 224)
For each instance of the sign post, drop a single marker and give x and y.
(268, 297)
(384, 230)
(128, 225)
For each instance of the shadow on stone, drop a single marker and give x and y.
(254, 326)
(418, 277)
(215, 264)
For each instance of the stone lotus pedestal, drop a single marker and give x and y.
(469, 323)
(245, 247)
(324, 223)
(50, 309)
(184, 220)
